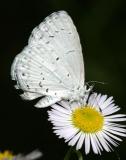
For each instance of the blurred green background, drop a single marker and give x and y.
(101, 25)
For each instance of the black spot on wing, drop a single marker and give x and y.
(41, 37)
(47, 42)
(51, 36)
(23, 74)
(57, 58)
(40, 84)
(60, 81)
(57, 31)
(68, 75)
(47, 90)
(28, 87)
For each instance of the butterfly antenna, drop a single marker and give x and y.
(96, 82)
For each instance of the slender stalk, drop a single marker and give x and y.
(72, 152)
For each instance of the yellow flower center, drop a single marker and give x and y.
(87, 119)
(6, 155)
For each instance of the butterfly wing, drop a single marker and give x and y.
(52, 63)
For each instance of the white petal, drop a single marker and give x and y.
(58, 123)
(102, 141)
(115, 119)
(110, 110)
(67, 132)
(116, 116)
(74, 139)
(97, 97)
(87, 144)
(60, 119)
(113, 136)
(64, 104)
(99, 146)
(94, 145)
(116, 133)
(60, 109)
(107, 102)
(102, 100)
(92, 99)
(80, 141)
(62, 127)
(54, 115)
(59, 113)
(110, 140)
(115, 125)
(71, 136)
(115, 128)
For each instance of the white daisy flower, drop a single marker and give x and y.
(93, 124)
(8, 155)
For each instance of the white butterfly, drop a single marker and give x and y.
(51, 65)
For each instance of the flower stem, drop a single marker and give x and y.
(71, 152)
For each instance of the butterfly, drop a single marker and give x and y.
(51, 66)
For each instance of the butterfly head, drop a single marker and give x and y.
(80, 94)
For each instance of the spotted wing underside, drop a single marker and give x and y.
(51, 65)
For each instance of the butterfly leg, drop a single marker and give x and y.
(47, 101)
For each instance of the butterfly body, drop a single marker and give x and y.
(51, 66)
